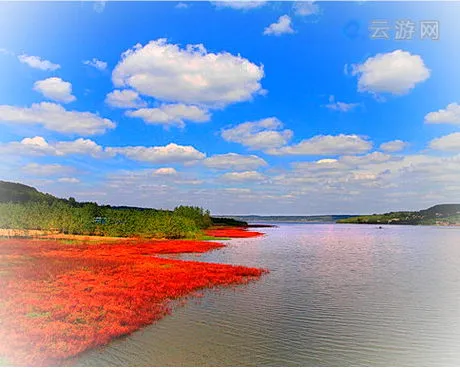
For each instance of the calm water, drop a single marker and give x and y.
(336, 295)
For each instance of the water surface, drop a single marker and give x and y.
(335, 295)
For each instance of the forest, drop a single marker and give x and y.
(24, 207)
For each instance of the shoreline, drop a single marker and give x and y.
(212, 233)
(61, 298)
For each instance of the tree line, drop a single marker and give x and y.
(71, 217)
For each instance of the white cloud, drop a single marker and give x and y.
(181, 6)
(99, 6)
(46, 170)
(166, 176)
(68, 180)
(96, 63)
(326, 145)
(160, 154)
(38, 146)
(261, 134)
(165, 171)
(395, 72)
(240, 4)
(340, 106)
(282, 26)
(327, 161)
(237, 190)
(124, 99)
(372, 162)
(234, 161)
(305, 8)
(55, 117)
(449, 115)
(79, 146)
(55, 89)
(172, 114)
(37, 63)
(393, 146)
(369, 159)
(381, 179)
(243, 176)
(189, 75)
(450, 143)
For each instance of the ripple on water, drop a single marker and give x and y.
(336, 295)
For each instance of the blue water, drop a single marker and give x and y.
(336, 295)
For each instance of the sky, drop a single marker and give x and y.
(293, 108)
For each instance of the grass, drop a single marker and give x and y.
(60, 299)
(209, 237)
(231, 232)
(4, 362)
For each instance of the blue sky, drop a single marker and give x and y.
(261, 108)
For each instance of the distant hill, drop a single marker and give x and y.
(297, 219)
(20, 193)
(441, 214)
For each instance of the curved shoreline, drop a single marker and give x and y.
(60, 299)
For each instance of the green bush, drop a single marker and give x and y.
(91, 219)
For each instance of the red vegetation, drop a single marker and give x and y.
(232, 232)
(57, 299)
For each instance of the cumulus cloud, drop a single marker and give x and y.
(395, 72)
(99, 6)
(393, 146)
(38, 146)
(340, 106)
(190, 75)
(282, 26)
(55, 89)
(338, 168)
(159, 154)
(243, 176)
(124, 99)
(68, 180)
(165, 171)
(79, 146)
(240, 4)
(305, 8)
(381, 179)
(163, 184)
(55, 117)
(46, 170)
(449, 115)
(369, 159)
(181, 6)
(262, 134)
(38, 63)
(171, 114)
(96, 63)
(450, 143)
(234, 161)
(326, 145)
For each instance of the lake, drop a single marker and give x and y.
(335, 295)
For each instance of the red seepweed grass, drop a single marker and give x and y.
(232, 232)
(58, 300)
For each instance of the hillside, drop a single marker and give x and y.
(442, 214)
(24, 207)
(21, 193)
